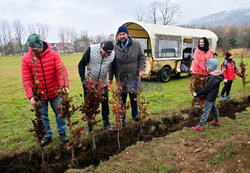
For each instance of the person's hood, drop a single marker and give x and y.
(219, 74)
(46, 48)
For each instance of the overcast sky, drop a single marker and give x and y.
(100, 16)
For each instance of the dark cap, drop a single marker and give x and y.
(108, 46)
(228, 54)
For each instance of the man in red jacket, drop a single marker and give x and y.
(49, 75)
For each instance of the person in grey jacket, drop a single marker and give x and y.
(99, 59)
(131, 63)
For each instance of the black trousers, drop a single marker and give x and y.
(133, 103)
(105, 108)
(227, 88)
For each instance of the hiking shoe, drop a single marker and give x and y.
(197, 128)
(228, 97)
(136, 119)
(64, 138)
(46, 141)
(214, 123)
(123, 123)
(108, 128)
(222, 98)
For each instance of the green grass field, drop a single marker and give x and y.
(15, 114)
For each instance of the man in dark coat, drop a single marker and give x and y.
(131, 63)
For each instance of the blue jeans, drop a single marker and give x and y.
(133, 103)
(209, 107)
(61, 123)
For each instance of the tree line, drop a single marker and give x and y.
(164, 13)
(82, 40)
(13, 37)
(229, 36)
(158, 12)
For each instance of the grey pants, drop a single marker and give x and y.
(209, 107)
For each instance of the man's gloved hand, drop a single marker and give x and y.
(84, 85)
(241, 75)
(194, 94)
(225, 80)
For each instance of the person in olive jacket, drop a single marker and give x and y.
(210, 91)
(131, 64)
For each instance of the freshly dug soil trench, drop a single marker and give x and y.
(58, 159)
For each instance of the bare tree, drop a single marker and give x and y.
(151, 13)
(140, 14)
(39, 28)
(162, 12)
(203, 26)
(111, 37)
(244, 36)
(227, 36)
(19, 31)
(232, 34)
(42, 30)
(82, 43)
(168, 11)
(67, 35)
(31, 28)
(100, 38)
(6, 37)
(62, 35)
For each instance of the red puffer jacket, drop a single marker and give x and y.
(48, 66)
(230, 70)
(200, 59)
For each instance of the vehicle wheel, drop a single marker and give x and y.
(165, 74)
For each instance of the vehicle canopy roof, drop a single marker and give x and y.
(146, 30)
